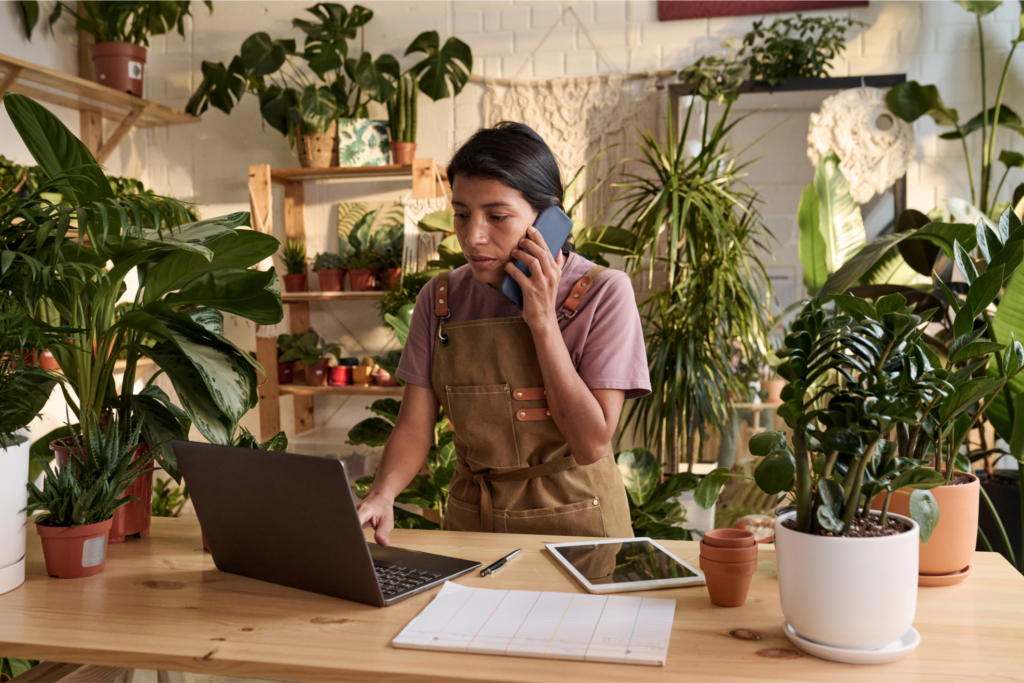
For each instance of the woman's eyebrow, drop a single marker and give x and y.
(482, 206)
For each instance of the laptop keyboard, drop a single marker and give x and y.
(396, 580)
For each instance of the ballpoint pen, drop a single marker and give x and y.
(500, 563)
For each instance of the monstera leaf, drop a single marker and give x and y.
(318, 108)
(374, 77)
(445, 66)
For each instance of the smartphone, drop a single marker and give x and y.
(555, 227)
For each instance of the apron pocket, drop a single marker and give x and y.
(459, 516)
(482, 416)
(577, 519)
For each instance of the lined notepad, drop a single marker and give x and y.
(577, 626)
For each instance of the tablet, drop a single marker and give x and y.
(619, 565)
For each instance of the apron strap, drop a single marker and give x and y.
(483, 481)
(582, 286)
(441, 292)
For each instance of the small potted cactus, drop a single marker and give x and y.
(328, 267)
(293, 254)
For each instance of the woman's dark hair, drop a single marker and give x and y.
(515, 155)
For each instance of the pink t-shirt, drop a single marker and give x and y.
(605, 339)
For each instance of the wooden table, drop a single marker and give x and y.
(161, 604)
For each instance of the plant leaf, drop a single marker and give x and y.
(924, 510)
(709, 487)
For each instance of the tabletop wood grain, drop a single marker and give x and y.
(161, 604)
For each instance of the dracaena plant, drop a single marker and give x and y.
(189, 274)
(853, 382)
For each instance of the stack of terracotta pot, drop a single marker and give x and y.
(728, 558)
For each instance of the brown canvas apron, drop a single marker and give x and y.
(514, 472)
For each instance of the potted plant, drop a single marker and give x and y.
(363, 270)
(121, 31)
(402, 117)
(285, 369)
(654, 507)
(852, 380)
(312, 352)
(293, 255)
(80, 499)
(391, 267)
(191, 271)
(364, 235)
(694, 319)
(329, 268)
(303, 104)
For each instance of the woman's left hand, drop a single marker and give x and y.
(540, 290)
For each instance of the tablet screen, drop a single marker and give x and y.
(623, 562)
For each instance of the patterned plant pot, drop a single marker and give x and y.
(363, 142)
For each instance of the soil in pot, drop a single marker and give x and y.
(316, 374)
(119, 66)
(285, 373)
(316, 149)
(362, 279)
(74, 552)
(133, 518)
(403, 153)
(951, 547)
(1004, 490)
(295, 283)
(331, 280)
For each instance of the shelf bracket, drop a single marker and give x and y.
(118, 135)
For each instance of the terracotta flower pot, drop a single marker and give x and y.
(950, 549)
(728, 582)
(119, 66)
(341, 376)
(135, 517)
(774, 388)
(285, 373)
(729, 538)
(361, 375)
(331, 280)
(385, 379)
(316, 149)
(47, 361)
(74, 552)
(362, 279)
(403, 153)
(316, 374)
(391, 278)
(715, 554)
(295, 283)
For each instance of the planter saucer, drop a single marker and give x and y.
(894, 651)
(939, 580)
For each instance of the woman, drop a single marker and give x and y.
(534, 395)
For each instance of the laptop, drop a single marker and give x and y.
(292, 520)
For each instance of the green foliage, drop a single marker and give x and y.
(797, 47)
(428, 491)
(86, 489)
(306, 347)
(12, 668)
(119, 21)
(403, 109)
(912, 100)
(397, 299)
(653, 508)
(694, 216)
(206, 261)
(168, 499)
(293, 254)
(328, 261)
(245, 439)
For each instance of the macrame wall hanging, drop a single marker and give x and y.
(420, 247)
(875, 147)
(578, 117)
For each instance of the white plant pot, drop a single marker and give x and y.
(13, 499)
(851, 593)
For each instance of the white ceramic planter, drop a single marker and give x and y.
(852, 593)
(13, 499)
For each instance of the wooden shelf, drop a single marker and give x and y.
(284, 176)
(94, 101)
(306, 390)
(297, 297)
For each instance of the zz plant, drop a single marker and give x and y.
(853, 381)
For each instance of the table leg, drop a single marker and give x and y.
(57, 672)
(174, 677)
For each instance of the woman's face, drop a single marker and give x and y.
(490, 219)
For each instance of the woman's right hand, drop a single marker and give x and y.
(377, 510)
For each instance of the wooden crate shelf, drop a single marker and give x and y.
(95, 102)
(300, 297)
(306, 390)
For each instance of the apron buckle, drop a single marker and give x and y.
(442, 337)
